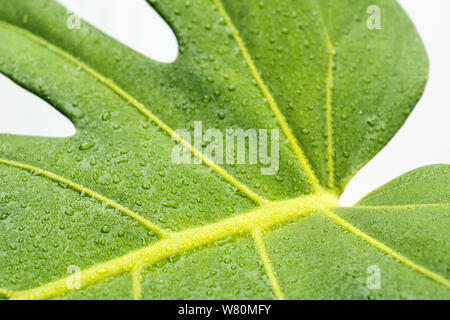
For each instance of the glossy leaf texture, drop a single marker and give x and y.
(110, 203)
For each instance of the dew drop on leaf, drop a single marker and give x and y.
(86, 146)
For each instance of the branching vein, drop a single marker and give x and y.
(262, 218)
(304, 162)
(139, 106)
(158, 230)
(381, 246)
(257, 236)
(136, 282)
(331, 51)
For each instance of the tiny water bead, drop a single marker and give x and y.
(106, 116)
(86, 146)
(170, 204)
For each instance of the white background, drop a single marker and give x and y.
(424, 139)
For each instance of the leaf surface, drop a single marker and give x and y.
(110, 201)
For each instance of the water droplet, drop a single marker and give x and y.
(170, 204)
(371, 121)
(86, 146)
(106, 116)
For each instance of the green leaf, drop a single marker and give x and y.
(110, 201)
